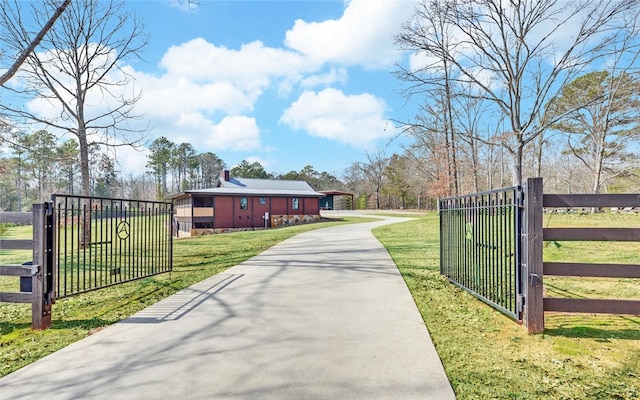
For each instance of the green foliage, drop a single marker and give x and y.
(107, 179)
(397, 180)
(254, 170)
(180, 162)
(159, 162)
(37, 166)
(184, 161)
(361, 202)
(598, 112)
(317, 180)
(208, 169)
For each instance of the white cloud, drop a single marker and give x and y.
(185, 5)
(200, 76)
(205, 89)
(356, 120)
(421, 61)
(251, 68)
(235, 133)
(168, 95)
(335, 75)
(362, 36)
(131, 160)
(231, 133)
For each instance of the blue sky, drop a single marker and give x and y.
(284, 83)
(287, 83)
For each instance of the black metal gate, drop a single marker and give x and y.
(481, 247)
(101, 242)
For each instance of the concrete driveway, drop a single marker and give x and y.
(323, 315)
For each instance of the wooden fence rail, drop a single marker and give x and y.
(536, 304)
(39, 272)
(20, 218)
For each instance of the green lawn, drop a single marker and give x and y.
(488, 356)
(12, 284)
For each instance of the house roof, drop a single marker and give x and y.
(257, 187)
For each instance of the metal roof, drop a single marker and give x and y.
(265, 184)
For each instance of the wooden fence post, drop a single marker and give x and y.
(41, 303)
(534, 305)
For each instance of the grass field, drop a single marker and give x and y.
(488, 356)
(12, 284)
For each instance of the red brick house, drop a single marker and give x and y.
(242, 204)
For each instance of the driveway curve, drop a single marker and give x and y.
(323, 315)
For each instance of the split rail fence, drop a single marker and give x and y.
(492, 246)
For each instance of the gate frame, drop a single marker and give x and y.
(471, 202)
(80, 199)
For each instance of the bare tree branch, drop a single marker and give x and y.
(33, 44)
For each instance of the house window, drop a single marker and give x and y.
(294, 203)
(263, 201)
(244, 204)
(203, 201)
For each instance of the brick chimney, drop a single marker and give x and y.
(224, 175)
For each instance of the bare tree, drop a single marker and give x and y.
(430, 157)
(433, 81)
(469, 115)
(79, 73)
(373, 171)
(516, 55)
